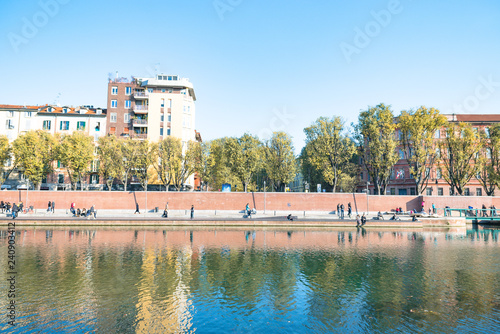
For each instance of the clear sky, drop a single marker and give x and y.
(258, 66)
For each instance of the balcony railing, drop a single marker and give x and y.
(141, 95)
(140, 109)
(139, 122)
(139, 135)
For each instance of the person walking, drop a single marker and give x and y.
(349, 210)
(338, 209)
(433, 208)
(165, 212)
(342, 211)
(53, 206)
(358, 220)
(192, 211)
(72, 208)
(49, 207)
(137, 208)
(363, 220)
(15, 210)
(248, 211)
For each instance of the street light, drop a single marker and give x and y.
(367, 193)
(264, 197)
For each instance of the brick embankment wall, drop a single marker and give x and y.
(116, 200)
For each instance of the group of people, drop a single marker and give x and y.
(14, 209)
(341, 210)
(51, 206)
(77, 212)
(360, 221)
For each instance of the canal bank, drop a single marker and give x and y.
(310, 220)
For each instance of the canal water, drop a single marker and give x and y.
(232, 280)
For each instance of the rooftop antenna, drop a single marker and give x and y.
(116, 77)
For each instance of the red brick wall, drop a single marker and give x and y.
(117, 200)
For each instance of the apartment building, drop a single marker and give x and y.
(401, 182)
(152, 108)
(55, 120)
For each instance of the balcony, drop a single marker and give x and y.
(141, 95)
(139, 135)
(140, 122)
(140, 109)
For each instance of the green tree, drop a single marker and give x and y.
(129, 152)
(311, 174)
(489, 160)
(280, 161)
(186, 167)
(142, 162)
(76, 151)
(244, 156)
(110, 157)
(332, 148)
(167, 155)
(5, 152)
(218, 166)
(34, 152)
(202, 163)
(417, 128)
(459, 155)
(374, 134)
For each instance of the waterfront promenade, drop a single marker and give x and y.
(62, 217)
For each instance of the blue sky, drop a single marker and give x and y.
(258, 66)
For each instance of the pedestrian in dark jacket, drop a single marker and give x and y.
(192, 211)
(15, 210)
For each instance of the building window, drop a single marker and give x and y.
(94, 178)
(479, 192)
(412, 191)
(400, 174)
(28, 114)
(65, 110)
(112, 130)
(429, 191)
(438, 173)
(466, 192)
(114, 103)
(11, 114)
(168, 132)
(393, 191)
(162, 118)
(127, 104)
(46, 125)
(437, 134)
(114, 90)
(401, 154)
(112, 117)
(361, 176)
(162, 103)
(189, 109)
(9, 124)
(163, 90)
(128, 90)
(150, 90)
(440, 191)
(64, 125)
(126, 130)
(126, 118)
(169, 117)
(80, 126)
(60, 178)
(161, 131)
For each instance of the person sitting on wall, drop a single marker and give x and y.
(289, 217)
(380, 216)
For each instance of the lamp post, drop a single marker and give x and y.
(264, 197)
(367, 193)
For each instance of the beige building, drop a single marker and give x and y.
(152, 108)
